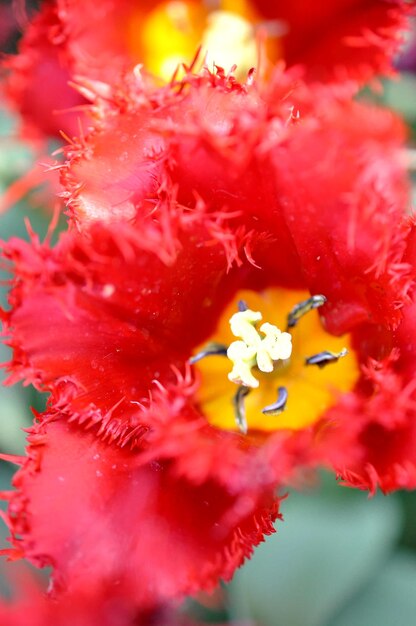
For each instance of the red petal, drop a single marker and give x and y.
(99, 516)
(329, 189)
(101, 316)
(343, 194)
(324, 216)
(342, 40)
(371, 436)
(335, 41)
(117, 171)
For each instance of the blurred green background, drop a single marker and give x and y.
(339, 558)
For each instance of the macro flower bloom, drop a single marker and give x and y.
(347, 42)
(203, 215)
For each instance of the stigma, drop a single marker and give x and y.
(261, 348)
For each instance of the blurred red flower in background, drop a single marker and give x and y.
(346, 42)
(38, 80)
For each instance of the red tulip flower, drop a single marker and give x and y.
(345, 42)
(224, 314)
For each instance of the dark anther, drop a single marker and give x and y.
(279, 405)
(212, 349)
(240, 409)
(242, 306)
(299, 310)
(324, 358)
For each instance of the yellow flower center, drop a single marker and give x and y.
(172, 32)
(271, 362)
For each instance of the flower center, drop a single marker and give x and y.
(171, 33)
(272, 379)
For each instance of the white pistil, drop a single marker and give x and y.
(255, 349)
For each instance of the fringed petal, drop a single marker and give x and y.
(320, 189)
(344, 42)
(126, 524)
(370, 436)
(108, 311)
(341, 41)
(344, 201)
(301, 175)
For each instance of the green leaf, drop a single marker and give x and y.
(15, 412)
(390, 600)
(328, 547)
(399, 94)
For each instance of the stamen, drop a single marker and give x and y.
(279, 405)
(242, 306)
(212, 349)
(299, 310)
(324, 358)
(240, 409)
